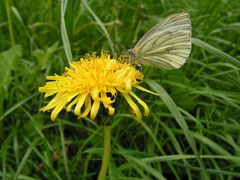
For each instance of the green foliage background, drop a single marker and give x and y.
(193, 129)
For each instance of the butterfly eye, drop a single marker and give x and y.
(138, 67)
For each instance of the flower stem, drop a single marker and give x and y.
(10, 28)
(106, 153)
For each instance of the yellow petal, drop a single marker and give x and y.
(145, 90)
(144, 105)
(133, 106)
(49, 93)
(95, 93)
(87, 107)
(41, 89)
(69, 107)
(80, 103)
(52, 103)
(111, 110)
(95, 108)
(43, 109)
(57, 109)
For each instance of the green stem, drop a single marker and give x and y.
(10, 28)
(106, 153)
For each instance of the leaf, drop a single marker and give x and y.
(179, 94)
(216, 52)
(25, 157)
(175, 112)
(100, 23)
(65, 39)
(8, 60)
(146, 167)
(44, 55)
(179, 119)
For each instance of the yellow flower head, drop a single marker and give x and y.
(91, 81)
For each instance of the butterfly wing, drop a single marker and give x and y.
(167, 45)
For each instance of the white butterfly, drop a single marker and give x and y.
(167, 45)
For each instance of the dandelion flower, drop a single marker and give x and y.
(93, 81)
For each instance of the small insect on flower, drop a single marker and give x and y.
(166, 46)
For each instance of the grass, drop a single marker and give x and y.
(193, 128)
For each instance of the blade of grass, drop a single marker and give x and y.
(4, 151)
(20, 177)
(176, 145)
(160, 148)
(10, 27)
(216, 52)
(25, 157)
(189, 156)
(180, 120)
(37, 129)
(65, 159)
(175, 112)
(211, 144)
(101, 25)
(19, 104)
(66, 44)
(146, 167)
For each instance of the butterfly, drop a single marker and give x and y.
(167, 45)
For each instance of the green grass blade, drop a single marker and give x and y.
(189, 156)
(214, 146)
(4, 151)
(20, 177)
(159, 146)
(175, 112)
(10, 25)
(216, 52)
(179, 118)
(147, 168)
(65, 159)
(25, 157)
(66, 44)
(101, 25)
(19, 104)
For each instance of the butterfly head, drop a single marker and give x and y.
(129, 56)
